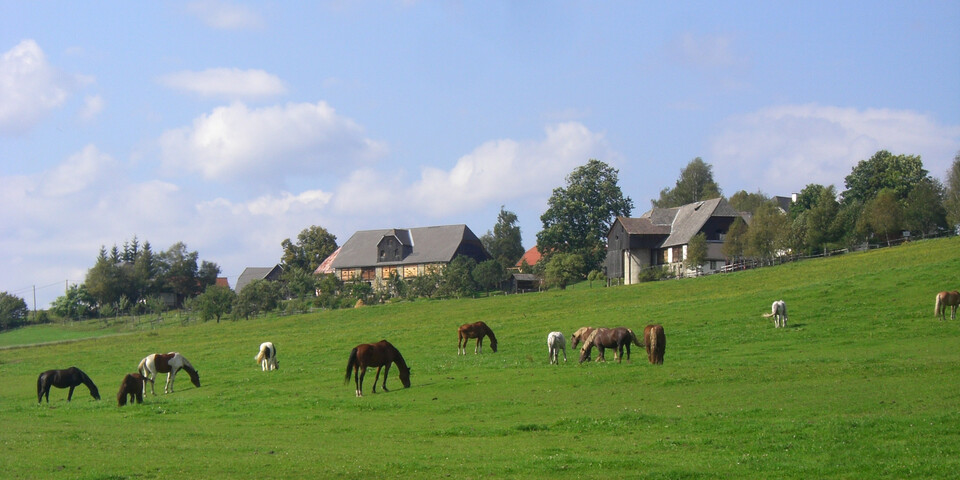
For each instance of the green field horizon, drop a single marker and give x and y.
(864, 382)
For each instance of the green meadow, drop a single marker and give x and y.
(863, 383)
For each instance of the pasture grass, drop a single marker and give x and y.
(863, 383)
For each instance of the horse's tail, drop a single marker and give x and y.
(938, 305)
(39, 388)
(142, 368)
(633, 337)
(259, 357)
(767, 315)
(653, 344)
(350, 364)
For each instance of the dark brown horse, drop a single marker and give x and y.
(474, 330)
(67, 378)
(944, 300)
(380, 354)
(615, 338)
(134, 385)
(656, 343)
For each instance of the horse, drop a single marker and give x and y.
(474, 330)
(579, 336)
(70, 377)
(656, 343)
(778, 310)
(555, 343)
(380, 354)
(616, 338)
(267, 358)
(134, 385)
(169, 363)
(944, 300)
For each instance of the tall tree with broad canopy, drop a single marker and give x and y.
(924, 212)
(314, 245)
(898, 173)
(883, 216)
(579, 216)
(951, 200)
(821, 225)
(13, 311)
(695, 184)
(748, 202)
(769, 233)
(504, 243)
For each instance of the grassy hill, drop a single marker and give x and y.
(864, 383)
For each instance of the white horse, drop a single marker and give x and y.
(779, 311)
(169, 363)
(555, 343)
(267, 358)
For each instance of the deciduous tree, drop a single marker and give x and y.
(695, 184)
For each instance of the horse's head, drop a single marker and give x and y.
(94, 392)
(493, 345)
(194, 377)
(405, 377)
(584, 355)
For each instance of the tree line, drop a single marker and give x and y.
(883, 196)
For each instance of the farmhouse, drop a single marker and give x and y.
(258, 273)
(376, 255)
(661, 235)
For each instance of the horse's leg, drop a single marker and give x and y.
(362, 373)
(168, 387)
(376, 378)
(564, 355)
(70, 393)
(479, 347)
(386, 371)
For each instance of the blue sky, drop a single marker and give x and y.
(231, 126)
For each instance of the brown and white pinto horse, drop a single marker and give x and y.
(656, 343)
(615, 338)
(474, 330)
(169, 363)
(380, 354)
(944, 300)
(134, 385)
(66, 378)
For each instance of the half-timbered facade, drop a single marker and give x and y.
(376, 255)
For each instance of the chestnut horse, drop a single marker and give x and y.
(944, 300)
(169, 363)
(474, 330)
(66, 378)
(615, 338)
(134, 385)
(380, 354)
(656, 343)
(580, 336)
(267, 358)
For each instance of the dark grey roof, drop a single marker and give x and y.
(681, 223)
(429, 245)
(643, 226)
(784, 203)
(254, 273)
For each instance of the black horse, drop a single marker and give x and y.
(70, 377)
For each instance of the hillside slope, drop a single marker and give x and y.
(862, 383)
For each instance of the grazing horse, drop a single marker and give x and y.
(656, 343)
(267, 358)
(70, 377)
(169, 363)
(580, 336)
(380, 354)
(474, 330)
(778, 310)
(944, 300)
(555, 343)
(134, 385)
(615, 338)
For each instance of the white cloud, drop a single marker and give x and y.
(494, 172)
(267, 145)
(92, 106)
(779, 150)
(707, 51)
(231, 83)
(225, 15)
(78, 172)
(30, 87)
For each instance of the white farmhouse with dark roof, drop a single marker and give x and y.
(376, 255)
(660, 237)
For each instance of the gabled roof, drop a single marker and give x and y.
(326, 266)
(256, 273)
(681, 223)
(531, 256)
(429, 245)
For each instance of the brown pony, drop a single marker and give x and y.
(944, 300)
(656, 343)
(134, 385)
(615, 338)
(581, 336)
(474, 330)
(380, 354)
